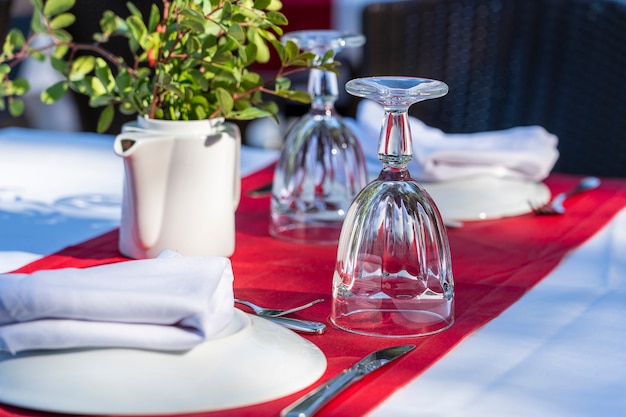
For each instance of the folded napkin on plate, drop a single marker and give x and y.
(527, 152)
(171, 302)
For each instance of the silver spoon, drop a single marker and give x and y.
(556, 205)
(272, 312)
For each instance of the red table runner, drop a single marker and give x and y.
(494, 263)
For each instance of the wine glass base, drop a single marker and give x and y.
(317, 233)
(381, 322)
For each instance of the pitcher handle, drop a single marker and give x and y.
(237, 162)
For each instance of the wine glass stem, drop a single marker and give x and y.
(323, 89)
(395, 148)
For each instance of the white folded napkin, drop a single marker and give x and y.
(527, 152)
(167, 303)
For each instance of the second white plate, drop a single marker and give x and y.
(486, 197)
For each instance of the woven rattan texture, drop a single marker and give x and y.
(560, 64)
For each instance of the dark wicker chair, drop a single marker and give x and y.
(555, 63)
(5, 18)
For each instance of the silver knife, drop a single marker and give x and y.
(314, 400)
(298, 325)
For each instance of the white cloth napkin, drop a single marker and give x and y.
(526, 152)
(167, 303)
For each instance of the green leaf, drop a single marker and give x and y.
(193, 47)
(262, 4)
(277, 18)
(237, 33)
(37, 24)
(54, 93)
(99, 101)
(60, 51)
(270, 106)
(134, 10)
(174, 90)
(62, 35)
(58, 64)
(154, 19)
(97, 87)
(192, 25)
(13, 41)
(38, 55)
(198, 78)
(275, 5)
(20, 86)
(227, 10)
(122, 81)
(225, 100)
(328, 56)
(16, 107)
(249, 55)
(62, 21)
(281, 50)
(263, 52)
(251, 80)
(4, 69)
(55, 7)
(82, 86)
(193, 20)
(199, 105)
(137, 28)
(249, 114)
(292, 49)
(105, 119)
(104, 74)
(108, 22)
(239, 17)
(283, 83)
(298, 96)
(81, 66)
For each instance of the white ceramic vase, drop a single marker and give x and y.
(181, 188)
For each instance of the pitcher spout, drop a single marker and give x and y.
(146, 164)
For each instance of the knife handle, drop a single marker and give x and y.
(300, 326)
(316, 399)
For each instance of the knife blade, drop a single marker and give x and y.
(310, 403)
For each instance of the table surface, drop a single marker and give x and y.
(559, 351)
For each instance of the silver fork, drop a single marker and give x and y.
(297, 325)
(273, 312)
(556, 205)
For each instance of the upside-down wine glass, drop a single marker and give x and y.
(321, 167)
(393, 275)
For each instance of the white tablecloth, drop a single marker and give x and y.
(559, 351)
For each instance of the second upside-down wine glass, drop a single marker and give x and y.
(321, 167)
(393, 275)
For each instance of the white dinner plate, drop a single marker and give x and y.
(253, 361)
(486, 197)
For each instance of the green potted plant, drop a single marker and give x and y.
(192, 60)
(191, 69)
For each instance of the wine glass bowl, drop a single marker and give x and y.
(321, 166)
(393, 275)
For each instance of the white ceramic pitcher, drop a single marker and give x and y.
(181, 188)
